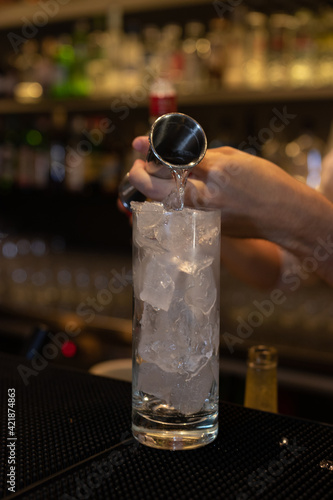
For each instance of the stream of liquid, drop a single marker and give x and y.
(176, 199)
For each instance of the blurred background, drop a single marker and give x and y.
(75, 81)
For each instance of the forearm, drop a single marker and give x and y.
(259, 200)
(304, 227)
(256, 262)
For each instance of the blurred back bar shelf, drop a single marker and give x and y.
(72, 9)
(47, 105)
(213, 52)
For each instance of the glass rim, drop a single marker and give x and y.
(136, 207)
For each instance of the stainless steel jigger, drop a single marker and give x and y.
(177, 142)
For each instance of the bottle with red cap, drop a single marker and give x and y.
(162, 98)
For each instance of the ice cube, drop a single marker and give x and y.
(208, 233)
(207, 226)
(138, 272)
(146, 208)
(176, 340)
(154, 381)
(141, 264)
(161, 342)
(188, 395)
(176, 234)
(159, 282)
(201, 293)
(194, 265)
(149, 216)
(151, 333)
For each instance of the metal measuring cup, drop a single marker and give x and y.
(177, 142)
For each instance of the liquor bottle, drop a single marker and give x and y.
(78, 149)
(8, 154)
(255, 74)
(233, 76)
(59, 134)
(64, 57)
(79, 80)
(261, 379)
(38, 138)
(25, 173)
(162, 100)
(302, 68)
(194, 68)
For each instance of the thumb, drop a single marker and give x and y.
(141, 144)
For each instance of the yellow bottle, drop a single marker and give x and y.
(261, 379)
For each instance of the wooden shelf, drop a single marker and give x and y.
(14, 16)
(226, 96)
(215, 97)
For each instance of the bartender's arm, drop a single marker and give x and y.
(256, 262)
(258, 201)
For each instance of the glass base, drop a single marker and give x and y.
(174, 436)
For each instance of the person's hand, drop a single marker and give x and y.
(257, 200)
(152, 187)
(238, 183)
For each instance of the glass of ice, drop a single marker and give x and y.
(176, 275)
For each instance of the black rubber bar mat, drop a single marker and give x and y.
(66, 435)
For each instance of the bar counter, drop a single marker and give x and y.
(67, 435)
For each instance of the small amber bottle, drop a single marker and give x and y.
(261, 378)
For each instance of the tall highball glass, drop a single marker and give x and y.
(176, 280)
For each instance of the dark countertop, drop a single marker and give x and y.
(74, 441)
